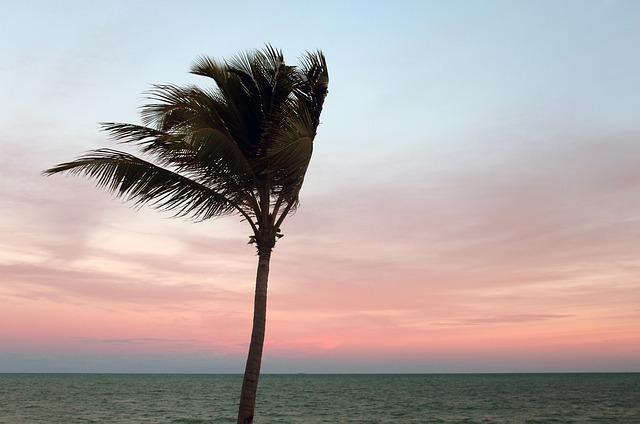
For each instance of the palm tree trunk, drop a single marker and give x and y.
(254, 359)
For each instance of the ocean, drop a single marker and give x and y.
(315, 399)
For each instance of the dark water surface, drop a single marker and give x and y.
(386, 398)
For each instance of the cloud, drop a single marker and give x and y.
(565, 199)
(505, 319)
(153, 342)
(30, 281)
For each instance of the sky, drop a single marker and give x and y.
(472, 205)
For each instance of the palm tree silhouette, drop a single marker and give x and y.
(241, 147)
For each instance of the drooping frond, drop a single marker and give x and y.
(206, 154)
(142, 182)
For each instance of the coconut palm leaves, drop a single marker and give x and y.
(241, 146)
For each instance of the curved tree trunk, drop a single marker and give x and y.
(254, 359)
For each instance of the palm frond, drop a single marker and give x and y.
(142, 182)
(314, 89)
(206, 152)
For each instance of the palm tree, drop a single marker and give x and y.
(241, 147)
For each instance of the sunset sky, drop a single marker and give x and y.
(473, 203)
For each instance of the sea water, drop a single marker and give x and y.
(311, 399)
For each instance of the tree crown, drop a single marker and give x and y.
(241, 146)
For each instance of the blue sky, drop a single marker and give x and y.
(474, 184)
